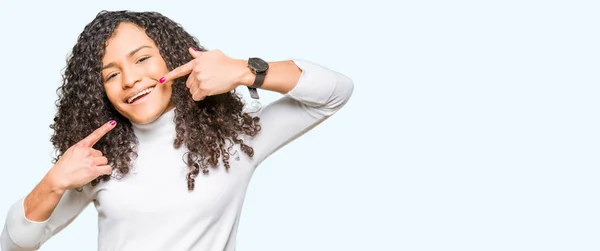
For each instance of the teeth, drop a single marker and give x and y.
(146, 91)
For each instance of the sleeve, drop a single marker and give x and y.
(319, 94)
(22, 234)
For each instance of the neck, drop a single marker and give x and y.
(164, 123)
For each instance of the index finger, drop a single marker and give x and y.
(177, 72)
(97, 134)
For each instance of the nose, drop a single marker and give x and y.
(130, 77)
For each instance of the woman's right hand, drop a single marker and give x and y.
(81, 163)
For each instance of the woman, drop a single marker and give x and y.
(150, 130)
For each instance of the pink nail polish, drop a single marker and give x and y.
(112, 122)
(194, 49)
(161, 80)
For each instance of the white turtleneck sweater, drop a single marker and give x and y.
(151, 209)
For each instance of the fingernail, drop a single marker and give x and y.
(112, 122)
(194, 49)
(161, 80)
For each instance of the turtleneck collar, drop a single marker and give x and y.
(166, 122)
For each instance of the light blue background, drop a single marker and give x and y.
(473, 125)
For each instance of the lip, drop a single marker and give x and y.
(136, 91)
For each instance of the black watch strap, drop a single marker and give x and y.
(253, 92)
(258, 81)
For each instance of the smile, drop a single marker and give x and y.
(139, 95)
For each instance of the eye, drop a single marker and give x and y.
(142, 59)
(110, 77)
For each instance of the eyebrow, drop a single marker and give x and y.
(130, 54)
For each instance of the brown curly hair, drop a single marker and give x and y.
(204, 127)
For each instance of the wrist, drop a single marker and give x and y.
(53, 185)
(245, 77)
(41, 201)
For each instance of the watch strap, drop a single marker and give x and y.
(258, 81)
(253, 92)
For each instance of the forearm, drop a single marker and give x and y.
(312, 94)
(42, 200)
(40, 215)
(281, 77)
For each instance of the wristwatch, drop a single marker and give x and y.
(259, 67)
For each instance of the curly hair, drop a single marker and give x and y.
(208, 128)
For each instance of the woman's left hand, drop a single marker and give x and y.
(210, 73)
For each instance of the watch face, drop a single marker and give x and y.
(258, 64)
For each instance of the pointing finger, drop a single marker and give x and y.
(177, 72)
(97, 134)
